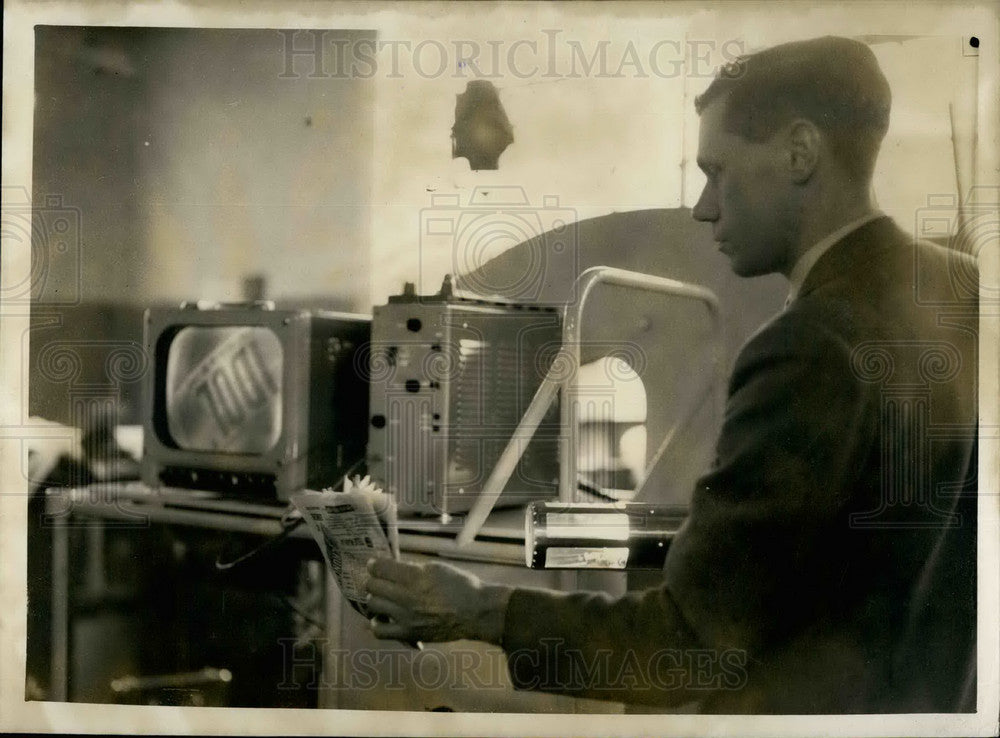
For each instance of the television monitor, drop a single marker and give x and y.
(251, 401)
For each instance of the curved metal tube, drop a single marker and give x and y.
(585, 284)
(549, 387)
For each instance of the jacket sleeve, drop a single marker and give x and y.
(749, 563)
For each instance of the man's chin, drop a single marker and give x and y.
(741, 268)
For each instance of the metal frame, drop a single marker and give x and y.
(552, 384)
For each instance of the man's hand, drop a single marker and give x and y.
(434, 602)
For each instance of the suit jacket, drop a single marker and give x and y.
(828, 562)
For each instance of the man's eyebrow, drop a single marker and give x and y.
(704, 164)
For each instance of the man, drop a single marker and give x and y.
(828, 562)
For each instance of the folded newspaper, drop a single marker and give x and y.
(351, 527)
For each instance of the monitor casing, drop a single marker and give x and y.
(323, 428)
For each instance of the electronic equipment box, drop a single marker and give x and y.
(451, 378)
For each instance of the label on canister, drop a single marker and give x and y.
(586, 558)
(603, 526)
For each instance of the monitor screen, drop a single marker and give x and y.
(224, 389)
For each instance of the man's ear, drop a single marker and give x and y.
(804, 141)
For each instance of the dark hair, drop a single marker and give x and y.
(834, 82)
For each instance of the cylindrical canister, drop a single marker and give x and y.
(582, 535)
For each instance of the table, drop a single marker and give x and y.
(354, 671)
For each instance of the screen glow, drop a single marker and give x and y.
(224, 389)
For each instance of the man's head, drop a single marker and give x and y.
(784, 133)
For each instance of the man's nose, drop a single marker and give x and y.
(705, 210)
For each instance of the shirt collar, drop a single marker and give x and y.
(808, 260)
